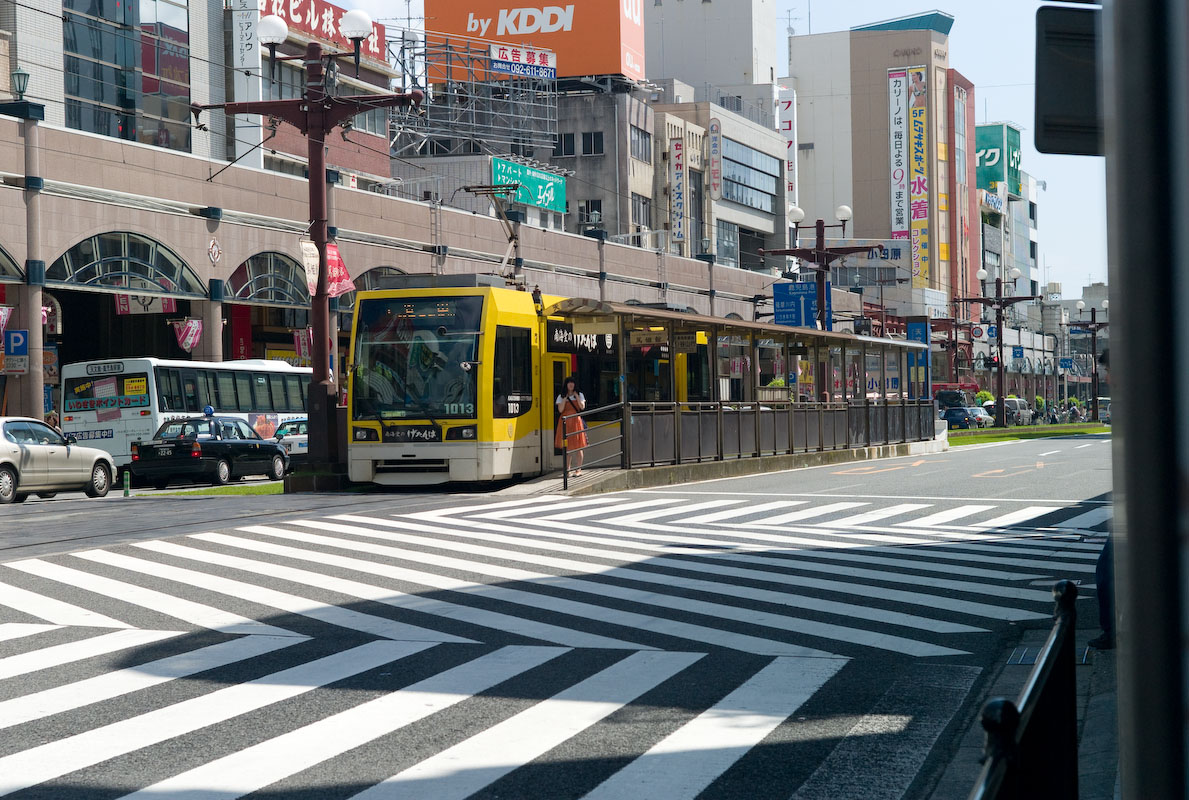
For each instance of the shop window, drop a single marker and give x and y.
(512, 373)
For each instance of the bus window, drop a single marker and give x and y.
(260, 396)
(225, 383)
(512, 384)
(190, 391)
(243, 386)
(293, 390)
(276, 387)
(169, 391)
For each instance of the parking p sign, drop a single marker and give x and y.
(16, 352)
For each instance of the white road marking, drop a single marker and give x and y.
(942, 517)
(748, 572)
(592, 505)
(688, 760)
(734, 513)
(186, 610)
(1016, 517)
(585, 611)
(51, 610)
(62, 756)
(133, 679)
(869, 765)
(1050, 452)
(19, 630)
(1089, 519)
(253, 768)
(303, 606)
(874, 516)
(808, 513)
(573, 567)
(639, 516)
(465, 768)
(1080, 446)
(54, 656)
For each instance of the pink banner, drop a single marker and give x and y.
(303, 342)
(338, 282)
(5, 313)
(188, 332)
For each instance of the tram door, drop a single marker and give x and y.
(557, 368)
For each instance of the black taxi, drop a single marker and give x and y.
(209, 447)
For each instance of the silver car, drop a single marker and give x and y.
(36, 459)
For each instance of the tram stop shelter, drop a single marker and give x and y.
(665, 386)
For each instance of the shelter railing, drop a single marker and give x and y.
(604, 439)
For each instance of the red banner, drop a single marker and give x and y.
(241, 332)
(324, 21)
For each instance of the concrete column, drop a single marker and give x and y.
(210, 346)
(32, 393)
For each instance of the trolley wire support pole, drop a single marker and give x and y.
(998, 302)
(316, 114)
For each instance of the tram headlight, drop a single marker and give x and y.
(361, 434)
(467, 433)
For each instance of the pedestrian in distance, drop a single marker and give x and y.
(570, 428)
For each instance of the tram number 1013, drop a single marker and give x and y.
(461, 409)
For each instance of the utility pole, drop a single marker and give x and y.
(1093, 326)
(316, 114)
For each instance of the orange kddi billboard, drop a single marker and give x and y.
(590, 37)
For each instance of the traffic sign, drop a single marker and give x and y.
(796, 304)
(976, 332)
(1067, 363)
(16, 343)
(992, 331)
(1078, 330)
(1017, 351)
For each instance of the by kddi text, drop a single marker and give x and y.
(521, 21)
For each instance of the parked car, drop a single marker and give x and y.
(210, 447)
(959, 418)
(36, 459)
(981, 416)
(294, 436)
(1015, 411)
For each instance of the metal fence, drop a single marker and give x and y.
(1032, 744)
(679, 433)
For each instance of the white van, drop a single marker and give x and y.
(1015, 411)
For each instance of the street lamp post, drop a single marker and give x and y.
(819, 258)
(1093, 326)
(998, 302)
(316, 114)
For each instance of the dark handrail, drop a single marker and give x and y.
(1031, 748)
(565, 451)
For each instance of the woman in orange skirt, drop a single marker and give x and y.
(571, 401)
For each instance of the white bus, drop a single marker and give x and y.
(112, 403)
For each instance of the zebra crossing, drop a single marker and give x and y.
(620, 646)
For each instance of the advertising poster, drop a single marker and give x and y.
(918, 176)
(898, 146)
(677, 182)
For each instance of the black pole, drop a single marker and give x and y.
(1000, 416)
(820, 246)
(1094, 364)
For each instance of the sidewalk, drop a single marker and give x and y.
(1098, 737)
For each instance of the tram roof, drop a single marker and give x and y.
(586, 307)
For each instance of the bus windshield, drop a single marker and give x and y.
(416, 358)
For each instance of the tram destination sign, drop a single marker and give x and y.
(412, 433)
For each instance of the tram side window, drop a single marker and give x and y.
(243, 386)
(512, 390)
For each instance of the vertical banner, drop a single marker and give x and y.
(898, 146)
(918, 182)
(247, 80)
(188, 333)
(786, 115)
(714, 136)
(241, 332)
(338, 281)
(677, 188)
(920, 381)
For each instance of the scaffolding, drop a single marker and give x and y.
(468, 110)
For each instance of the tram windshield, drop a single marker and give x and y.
(416, 358)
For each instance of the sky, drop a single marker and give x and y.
(993, 45)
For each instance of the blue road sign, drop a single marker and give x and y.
(992, 331)
(1078, 330)
(796, 304)
(1067, 363)
(1017, 352)
(16, 343)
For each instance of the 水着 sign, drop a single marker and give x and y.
(537, 187)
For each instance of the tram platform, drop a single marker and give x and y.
(596, 480)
